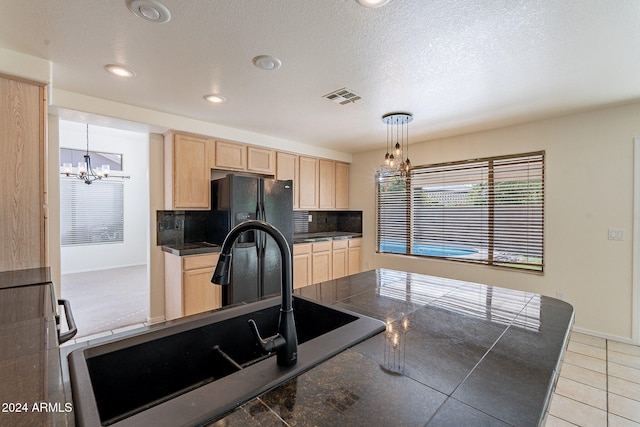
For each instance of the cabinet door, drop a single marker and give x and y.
(230, 155)
(287, 168)
(23, 242)
(308, 188)
(327, 187)
(342, 185)
(190, 173)
(321, 268)
(261, 160)
(199, 293)
(340, 259)
(302, 265)
(355, 256)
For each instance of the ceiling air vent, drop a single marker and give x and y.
(342, 96)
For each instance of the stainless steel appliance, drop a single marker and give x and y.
(256, 270)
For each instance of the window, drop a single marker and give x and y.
(487, 211)
(91, 214)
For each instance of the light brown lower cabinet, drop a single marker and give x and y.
(321, 261)
(321, 266)
(355, 256)
(302, 265)
(188, 287)
(340, 258)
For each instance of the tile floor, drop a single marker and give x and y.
(599, 384)
(107, 300)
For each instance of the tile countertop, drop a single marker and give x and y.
(33, 392)
(466, 354)
(329, 235)
(196, 248)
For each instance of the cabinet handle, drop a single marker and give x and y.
(71, 323)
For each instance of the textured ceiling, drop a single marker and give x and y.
(457, 65)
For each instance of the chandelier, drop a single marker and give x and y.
(397, 157)
(86, 172)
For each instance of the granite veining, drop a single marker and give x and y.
(455, 353)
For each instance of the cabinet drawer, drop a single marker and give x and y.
(340, 244)
(322, 246)
(353, 243)
(302, 248)
(199, 261)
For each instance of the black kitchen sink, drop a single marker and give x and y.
(198, 368)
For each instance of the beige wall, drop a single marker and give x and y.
(156, 202)
(589, 189)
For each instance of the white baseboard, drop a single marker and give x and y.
(111, 267)
(157, 319)
(625, 340)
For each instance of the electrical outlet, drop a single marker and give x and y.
(616, 234)
(310, 218)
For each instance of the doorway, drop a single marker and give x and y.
(104, 229)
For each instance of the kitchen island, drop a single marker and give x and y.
(455, 353)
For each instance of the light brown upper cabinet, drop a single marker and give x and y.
(308, 182)
(342, 186)
(231, 155)
(327, 184)
(187, 171)
(23, 174)
(247, 158)
(287, 168)
(261, 160)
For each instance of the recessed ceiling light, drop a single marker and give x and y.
(267, 62)
(216, 99)
(149, 10)
(119, 70)
(372, 4)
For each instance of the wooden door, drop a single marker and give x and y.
(308, 188)
(23, 213)
(327, 186)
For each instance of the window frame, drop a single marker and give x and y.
(535, 190)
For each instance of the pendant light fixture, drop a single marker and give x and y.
(398, 132)
(86, 172)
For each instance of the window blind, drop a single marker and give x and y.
(487, 211)
(91, 214)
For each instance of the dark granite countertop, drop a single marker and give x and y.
(33, 392)
(195, 248)
(321, 236)
(30, 276)
(455, 353)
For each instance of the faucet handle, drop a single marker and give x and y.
(269, 344)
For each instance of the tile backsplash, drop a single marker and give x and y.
(175, 227)
(327, 221)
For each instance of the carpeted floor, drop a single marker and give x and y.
(107, 299)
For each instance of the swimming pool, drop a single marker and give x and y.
(428, 250)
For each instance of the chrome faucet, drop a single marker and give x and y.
(285, 342)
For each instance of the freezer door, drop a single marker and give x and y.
(278, 211)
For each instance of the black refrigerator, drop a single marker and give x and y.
(256, 267)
